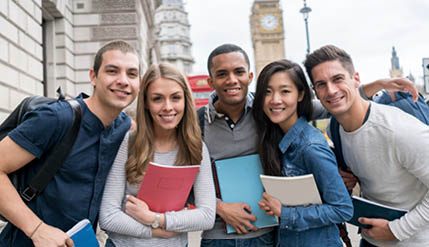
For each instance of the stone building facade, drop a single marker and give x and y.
(49, 43)
(173, 36)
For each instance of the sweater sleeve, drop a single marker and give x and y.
(112, 217)
(203, 216)
(412, 151)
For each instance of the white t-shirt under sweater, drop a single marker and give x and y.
(124, 231)
(389, 154)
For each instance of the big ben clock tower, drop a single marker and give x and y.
(266, 24)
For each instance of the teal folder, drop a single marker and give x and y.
(239, 181)
(83, 235)
(368, 209)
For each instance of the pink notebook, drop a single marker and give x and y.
(166, 188)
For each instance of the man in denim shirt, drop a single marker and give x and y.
(75, 191)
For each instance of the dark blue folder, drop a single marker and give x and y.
(239, 181)
(369, 209)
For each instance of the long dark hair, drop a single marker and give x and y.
(270, 133)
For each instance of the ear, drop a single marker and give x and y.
(211, 82)
(315, 92)
(250, 77)
(301, 96)
(140, 83)
(92, 77)
(356, 79)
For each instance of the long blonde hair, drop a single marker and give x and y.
(141, 143)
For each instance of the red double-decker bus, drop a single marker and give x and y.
(200, 89)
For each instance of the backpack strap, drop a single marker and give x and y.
(56, 157)
(201, 119)
(334, 127)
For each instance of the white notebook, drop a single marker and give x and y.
(292, 191)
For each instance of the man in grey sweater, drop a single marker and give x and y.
(383, 146)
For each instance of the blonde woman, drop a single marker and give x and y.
(167, 133)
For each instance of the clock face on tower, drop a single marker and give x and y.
(269, 22)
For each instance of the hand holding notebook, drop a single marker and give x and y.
(83, 235)
(237, 181)
(369, 209)
(166, 188)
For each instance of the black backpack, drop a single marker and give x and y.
(55, 157)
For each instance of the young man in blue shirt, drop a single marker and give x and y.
(75, 191)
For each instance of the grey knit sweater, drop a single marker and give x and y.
(123, 230)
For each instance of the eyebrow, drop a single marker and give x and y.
(111, 66)
(108, 66)
(281, 86)
(161, 94)
(234, 69)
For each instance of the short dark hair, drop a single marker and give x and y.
(328, 53)
(270, 133)
(120, 45)
(226, 48)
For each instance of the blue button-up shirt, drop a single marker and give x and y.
(76, 190)
(305, 151)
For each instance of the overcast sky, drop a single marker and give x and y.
(366, 29)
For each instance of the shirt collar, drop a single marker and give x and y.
(292, 134)
(211, 112)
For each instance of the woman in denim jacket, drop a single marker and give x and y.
(289, 146)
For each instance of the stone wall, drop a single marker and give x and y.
(45, 44)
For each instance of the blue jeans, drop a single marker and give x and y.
(364, 243)
(109, 243)
(266, 240)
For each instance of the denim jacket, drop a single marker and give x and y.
(305, 151)
(404, 101)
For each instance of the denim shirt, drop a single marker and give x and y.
(404, 101)
(75, 191)
(305, 151)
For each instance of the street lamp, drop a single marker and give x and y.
(304, 11)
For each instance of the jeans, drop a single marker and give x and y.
(266, 240)
(364, 243)
(109, 243)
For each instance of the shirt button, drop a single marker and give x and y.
(226, 118)
(232, 126)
